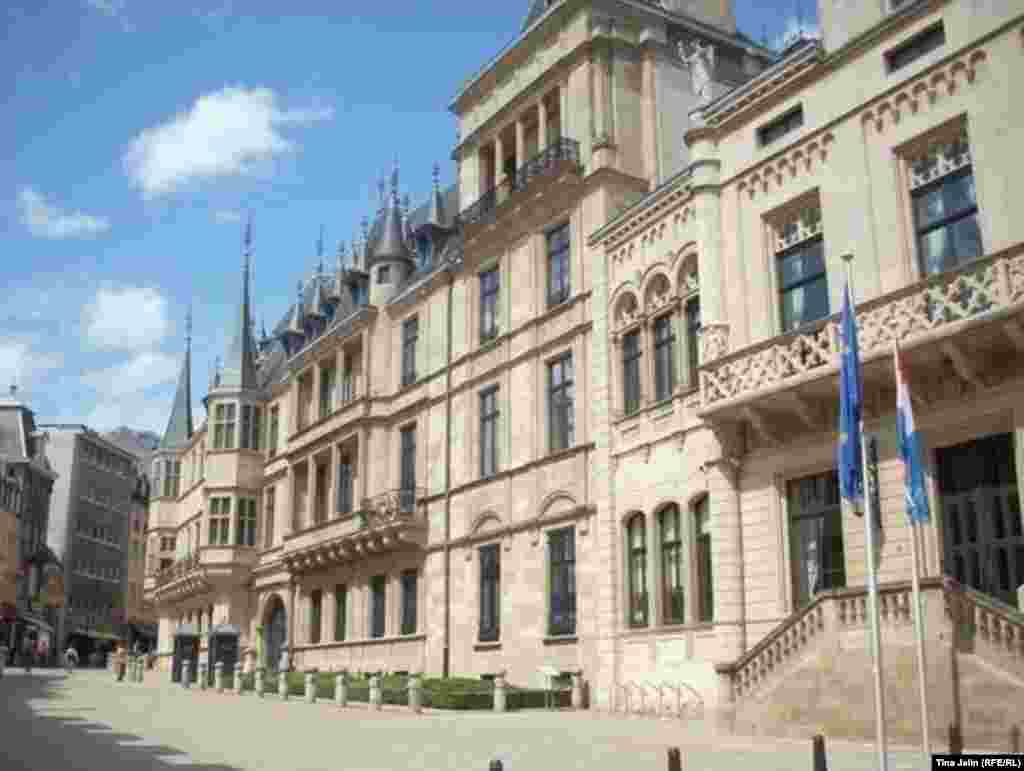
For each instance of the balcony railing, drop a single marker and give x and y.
(177, 569)
(929, 308)
(562, 153)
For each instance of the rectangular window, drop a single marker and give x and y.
(562, 562)
(705, 585)
(631, 372)
(781, 126)
(326, 391)
(229, 426)
(489, 432)
(340, 611)
(410, 334)
(558, 243)
(673, 599)
(803, 284)
(272, 431)
(560, 403)
(489, 285)
(919, 45)
(344, 491)
(220, 521)
(378, 594)
(816, 528)
(316, 602)
(490, 588)
(347, 381)
(664, 358)
(245, 532)
(245, 439)
(409, 589)
(268, 517)
(407, 469)
(692, 312)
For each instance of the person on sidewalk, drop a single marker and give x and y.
(121, 662)
(70, 659)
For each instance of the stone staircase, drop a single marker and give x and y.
(812, 674)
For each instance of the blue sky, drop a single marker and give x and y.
(133, 141)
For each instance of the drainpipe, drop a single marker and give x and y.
(446, 661)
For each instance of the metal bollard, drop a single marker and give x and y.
(415, 694)
(310, 687)
(376, 697)
(341, 689)
(577, 690)
(820, 762)
(500, 698)
(956, 740)
(496, 765)
(218, 676)
(238, 679)
(675, 759)
(3, 659)
(186, 673)
(282, 685)
(202, 676)
(142, 669)
(259, 682)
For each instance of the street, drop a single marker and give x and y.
(88, 721)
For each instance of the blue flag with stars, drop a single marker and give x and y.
(851, 471)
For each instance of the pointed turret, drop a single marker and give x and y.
(391, 244)
(239, 371)
(435, 212)
(317, 299)
(179, 426)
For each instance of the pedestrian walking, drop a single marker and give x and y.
(70, 659)
(121, 662)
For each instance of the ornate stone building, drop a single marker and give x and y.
(578, 411)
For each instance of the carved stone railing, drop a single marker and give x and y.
(993, 629)
(177, 569)
(831, 612)
(928, 308)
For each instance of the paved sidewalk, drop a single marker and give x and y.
(157, 724)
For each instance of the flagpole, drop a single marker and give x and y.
(915, 579)
(872, 579)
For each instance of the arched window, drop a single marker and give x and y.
(672, 572)
(636, 538)
(702, 533)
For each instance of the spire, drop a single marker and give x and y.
(320, 250)
(296, 323)
(435, 213)
(179, 425)
(317, 300)
(239, 364)
(391, 244)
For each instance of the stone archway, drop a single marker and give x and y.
(275, 632)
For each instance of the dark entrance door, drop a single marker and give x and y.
(186, 646)
(816, 528)
(223, 649)
(982, 533)
(276, 631)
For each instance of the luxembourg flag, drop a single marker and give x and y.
(915, 490)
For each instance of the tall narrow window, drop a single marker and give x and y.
(268, 517)
(410, 334)
(340, 611)
(664, 358)
(408, 469)
(562, 562)
(409, 590)
(257, 428)
(489, 432)
(378, 594)
(692, 311)
(817, 533)
(945, 206)
(558, 264)
(705, 587)
(561, 421)
(275, 414)
(803, 285)
(229, 426)
(320, 501)
(245, 439)
(489, 284)
(636, 539)
(316, 602)
(245, 531)
(347, 389)
(631, 372)
(220, 521)
(326, 391)
(490, 585)
(672, 570)
(344, 492)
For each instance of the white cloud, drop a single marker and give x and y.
(140, 413)
(127, 318)
(794, 28)
(225, 133)
(137, 374)
(20, 365)
(45, 220)
(227, 217)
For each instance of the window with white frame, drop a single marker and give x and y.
(410, 335)
(636, 556)
(224, 427)
(673, 566)
(490, 283)
(800, 263)
(489, 432)
(664, 357)
(561, 419)
(245, 531)
(558, 252)
(252, 426)
(562, 582)
(631, 362)
(220, 521)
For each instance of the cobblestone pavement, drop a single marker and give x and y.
(89, 721)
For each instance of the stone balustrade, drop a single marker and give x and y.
(996, 628)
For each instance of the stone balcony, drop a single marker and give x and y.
(393, 520)
(200, 572)
(966, 323)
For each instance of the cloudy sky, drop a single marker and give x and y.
(136, 139)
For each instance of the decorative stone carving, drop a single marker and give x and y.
(805, 224)
(800, 159)
(700, 61)
(689, 282)
(942, 157)
(714, 342)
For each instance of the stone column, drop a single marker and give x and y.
(282, 685)
(332, 482)
(577, 690)
(542, 125)
(290, 522)
(520, 142)
(341, 689)
(311, 513)
(723, 472)
(650, 39)
(499, 692)
(310, 686)
(238, 679)
(415, 694)
(376, 696)
(218, 676)
(499, 153)
(259, 682)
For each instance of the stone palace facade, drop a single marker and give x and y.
(578, 411)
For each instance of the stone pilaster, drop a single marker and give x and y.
(723, 474)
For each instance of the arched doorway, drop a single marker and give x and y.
(275, 630)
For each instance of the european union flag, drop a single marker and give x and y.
(851, 471)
